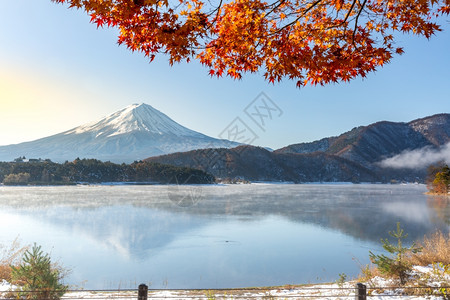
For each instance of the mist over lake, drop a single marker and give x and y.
(216, 236)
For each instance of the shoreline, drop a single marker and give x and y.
(220, 183)
(437, 194)
(379, 288)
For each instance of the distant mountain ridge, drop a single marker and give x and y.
(370, 144)
(258, 164)
(139, 131)
(352, 156)
(133, 133)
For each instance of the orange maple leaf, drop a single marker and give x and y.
(310, 41)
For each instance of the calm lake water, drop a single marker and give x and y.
(214, 236)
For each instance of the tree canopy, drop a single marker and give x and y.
(438, 180)
(96, 171)
(308, 41)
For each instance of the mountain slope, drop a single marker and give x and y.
(133, 133)
(352, 156)
(435, 128)
(258, 164)
(367, 145)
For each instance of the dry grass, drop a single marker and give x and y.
(10, 256)
(435, 249)
(368, 275)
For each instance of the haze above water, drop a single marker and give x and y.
(214, 236)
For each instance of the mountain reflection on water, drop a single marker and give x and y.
(221, 226)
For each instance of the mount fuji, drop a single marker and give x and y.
(133, 133)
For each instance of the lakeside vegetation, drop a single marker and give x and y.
(438, 179)
(399, 270)
(402, 267)
(95, 171)
(32, 271)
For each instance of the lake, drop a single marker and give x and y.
(217, 236)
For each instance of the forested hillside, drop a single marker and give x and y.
(370, 144)
(354, 156)
(258, 164)
(96, 171)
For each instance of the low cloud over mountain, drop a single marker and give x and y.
(378, 152)
(418, 158)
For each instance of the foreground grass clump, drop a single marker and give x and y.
(435, 249)
(10, 256)
(421, 269)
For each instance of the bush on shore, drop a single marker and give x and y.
(32, 271)
(10, 256)
(435, 249)
(425, 271)
(37, 277)
(438, 179)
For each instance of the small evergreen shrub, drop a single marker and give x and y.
(37, 277)
(397, 265)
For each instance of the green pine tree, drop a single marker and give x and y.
(37, 277)
(395, 265)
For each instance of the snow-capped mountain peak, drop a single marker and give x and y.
(135, 118)
(136, 132)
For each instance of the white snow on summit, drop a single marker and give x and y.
(136, 117)
(136, 132)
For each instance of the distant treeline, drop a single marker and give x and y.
(96, 171)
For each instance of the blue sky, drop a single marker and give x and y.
(58, 71)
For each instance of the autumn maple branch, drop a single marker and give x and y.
(356, 22)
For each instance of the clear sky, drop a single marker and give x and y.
(58, 71)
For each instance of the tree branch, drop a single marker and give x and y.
(356, 22)
(298, 18)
